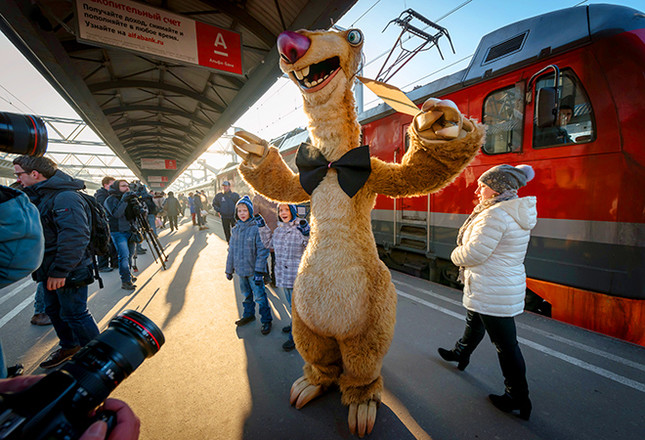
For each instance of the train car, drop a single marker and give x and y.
(562, 92)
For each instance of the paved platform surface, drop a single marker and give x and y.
(212, 380)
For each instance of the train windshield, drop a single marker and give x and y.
(503, 115)
(575, 122)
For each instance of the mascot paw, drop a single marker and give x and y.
(302, 392)
(361, 417)
(249, 147)
(441, 120)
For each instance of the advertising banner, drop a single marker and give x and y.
(158, 164)
(157, 179)
(145, 29)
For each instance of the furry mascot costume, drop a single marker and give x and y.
(344, 303)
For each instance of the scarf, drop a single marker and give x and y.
(509, 194)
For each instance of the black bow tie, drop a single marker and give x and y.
(353, 168)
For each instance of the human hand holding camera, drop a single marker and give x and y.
(127, 423)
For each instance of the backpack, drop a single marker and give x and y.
(99, 227)
(152, 207)
(100, 240)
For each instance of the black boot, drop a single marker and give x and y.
(457, 354)
(508, 403)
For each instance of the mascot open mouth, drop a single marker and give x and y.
(316, 76)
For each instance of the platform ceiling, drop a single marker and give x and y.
(144, 106)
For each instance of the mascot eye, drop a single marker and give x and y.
(355, 37)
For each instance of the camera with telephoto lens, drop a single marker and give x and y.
(22, 134)
(58, 407)
(138, 187)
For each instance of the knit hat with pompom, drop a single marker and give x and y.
(506, 177)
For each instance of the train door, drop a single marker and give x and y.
(412, 212)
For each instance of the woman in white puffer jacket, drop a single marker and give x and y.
(490, 252)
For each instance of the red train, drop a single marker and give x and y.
(562, 92)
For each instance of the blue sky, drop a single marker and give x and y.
(22, 89)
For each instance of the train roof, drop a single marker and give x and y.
(525, 42)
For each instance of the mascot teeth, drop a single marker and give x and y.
(315, 74)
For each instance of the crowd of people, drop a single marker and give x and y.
(49, 236)
(266, 242)
(47, 212)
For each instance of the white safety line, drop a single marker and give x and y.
(16, 290)
(429, 293)
(546, 334)
(586, 348)
(9, 316)
(584, 365)
(577, 362)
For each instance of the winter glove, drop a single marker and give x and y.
(303, 227)
(258, 279)
(259, 220)
(229, 276)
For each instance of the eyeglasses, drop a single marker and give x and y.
(21, 172)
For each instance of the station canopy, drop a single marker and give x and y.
(160, 81)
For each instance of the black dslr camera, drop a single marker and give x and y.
(22, 134)
(58, 406)
(138, 188)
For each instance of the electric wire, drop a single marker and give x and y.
(364, 13)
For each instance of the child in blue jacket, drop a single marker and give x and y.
(247, 257)
(289, 241)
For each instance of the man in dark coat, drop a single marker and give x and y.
(171, 205)
(224, 203)
(107, 263)
(67, 262)
(116, 205)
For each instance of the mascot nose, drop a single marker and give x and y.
(292, 46)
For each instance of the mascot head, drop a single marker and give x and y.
(321, 63)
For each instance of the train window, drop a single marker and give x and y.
(575, 122)
(503, 115)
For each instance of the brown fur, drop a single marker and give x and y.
(344, 303)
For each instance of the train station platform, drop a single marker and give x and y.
(213, 380)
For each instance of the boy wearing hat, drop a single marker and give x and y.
(247, 257)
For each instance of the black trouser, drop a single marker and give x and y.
(173, 222)
(111, 260)
(503, 334)
(227, 222)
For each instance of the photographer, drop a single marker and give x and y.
(127, 423)
(107, 263)
(120, 200)
(67, 264)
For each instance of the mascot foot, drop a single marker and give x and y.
(303, 392)
(361, 417)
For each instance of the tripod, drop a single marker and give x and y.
(153, 242)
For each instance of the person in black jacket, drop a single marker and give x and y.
(67, 263)
(116, 206)
(172, 208)
(107, 263)
(224, 203)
